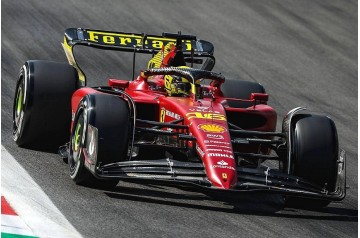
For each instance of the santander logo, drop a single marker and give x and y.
(222, 162)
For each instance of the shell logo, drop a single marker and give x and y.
(212, 128)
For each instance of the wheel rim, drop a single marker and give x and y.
(77, 143)
(18, 110)
(19, 100)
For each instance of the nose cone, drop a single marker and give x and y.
(222, 176)
(215, 148)
(209, 126)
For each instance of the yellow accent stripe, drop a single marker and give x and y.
(156, 61)
(70, 56)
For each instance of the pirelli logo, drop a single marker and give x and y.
(129, 40)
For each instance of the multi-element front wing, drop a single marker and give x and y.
(261, 179)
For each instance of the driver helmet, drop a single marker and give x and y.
(178, 86)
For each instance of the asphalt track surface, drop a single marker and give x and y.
(303, 52)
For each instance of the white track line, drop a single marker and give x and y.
(30, 202)
(12, 224)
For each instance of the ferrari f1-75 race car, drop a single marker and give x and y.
(177, 121)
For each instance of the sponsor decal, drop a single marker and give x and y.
(162, 115)
(130, 40)
(172, 114)
(221, 155)
(222, 146)
(168, 113)
(222, 162)
(200, 151)
(223, 167)
(213, 128)
(210, 116)
(215, 136)
(202, 109)
(219, 150)
(218, 142)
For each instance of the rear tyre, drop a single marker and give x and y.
(42, 104)
(99, 135)
(240, 90)
(315, 153)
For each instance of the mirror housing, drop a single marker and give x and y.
(262, 97)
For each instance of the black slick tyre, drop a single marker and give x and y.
(42, 104)
(315, 154)
(108, 115)
(240, 90)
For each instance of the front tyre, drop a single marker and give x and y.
(315, 153)
(99, 136)
(77, 141)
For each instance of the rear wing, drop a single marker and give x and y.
(130, 42)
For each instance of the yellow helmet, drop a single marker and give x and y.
(177, 86)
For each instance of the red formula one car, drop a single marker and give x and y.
(168, 125)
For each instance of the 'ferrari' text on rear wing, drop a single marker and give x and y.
(128, 41)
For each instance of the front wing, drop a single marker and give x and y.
(261, 179)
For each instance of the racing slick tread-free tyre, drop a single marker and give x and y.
(42, 104)
(109, 116)
(240, 90)
(316, 149)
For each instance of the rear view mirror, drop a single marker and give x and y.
(263, 97)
